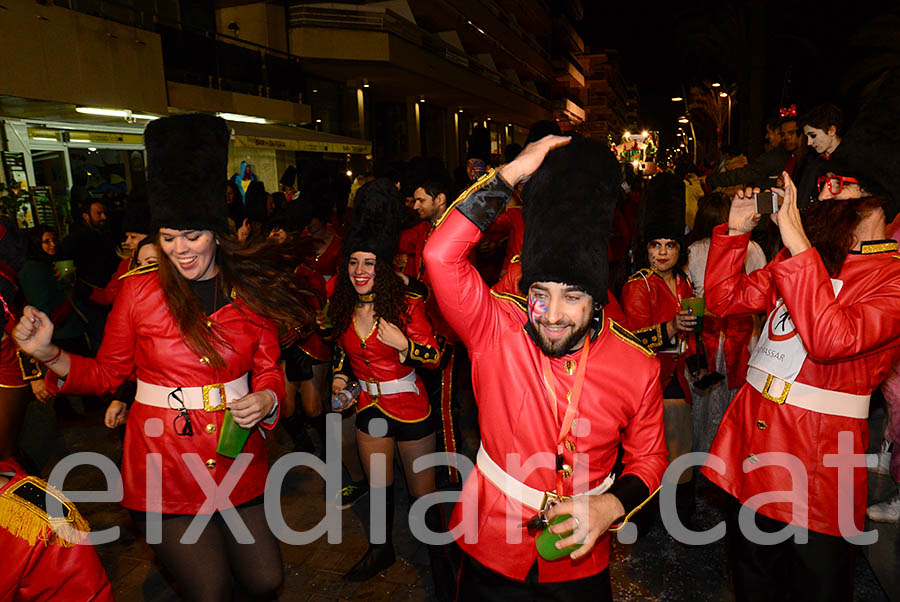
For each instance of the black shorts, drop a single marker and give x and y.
(396, 429)
(298, 365)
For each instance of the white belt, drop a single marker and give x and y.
(208, 397)
(375, 388)
(519, 491)
(808, 397)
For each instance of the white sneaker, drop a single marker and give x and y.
(885, 512)
(881, 463)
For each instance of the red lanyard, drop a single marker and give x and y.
(573, 396)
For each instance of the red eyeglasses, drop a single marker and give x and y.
(835, 183)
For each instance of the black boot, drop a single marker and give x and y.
(379, 556)
(296, 427)
(442, 570)
(686, 501)
(318, 425)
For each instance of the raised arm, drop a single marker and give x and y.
(830, 331)
(464, 298)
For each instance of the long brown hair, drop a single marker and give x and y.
(830, 225)
(261, 276)
(390, 297)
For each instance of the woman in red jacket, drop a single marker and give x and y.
(798, 428)
(199, 336)
(833, 301)
(651, 300)
(382, 333)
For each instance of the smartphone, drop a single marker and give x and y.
(766, 202)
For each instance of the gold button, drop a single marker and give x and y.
(210, 428)
(566, 471)
(570, 366)
(204, 360)
(210, 463)
(570, 445)
(209, 324)
(761, 425)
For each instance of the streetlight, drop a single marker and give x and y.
(677, 99)
(716, 84)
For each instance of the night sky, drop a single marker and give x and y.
(826, 48)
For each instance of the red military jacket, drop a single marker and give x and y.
(326, 262)
(370, 359)
(40, 564)
(851, 341)
(142, 335)
(412, 242)
(621, 404)
(648, 304)
(313, 343)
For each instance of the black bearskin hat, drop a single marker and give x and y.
(662, 209)
(289, 176)
(568, 210)
(137, 214)
(479, 144)
(542, 128)
(255, 202)
(375, 226)
(187, 157)
(870, 151)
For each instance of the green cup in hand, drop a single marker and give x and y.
(697, 307)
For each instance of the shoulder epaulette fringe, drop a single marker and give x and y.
(24, 514)
(629, 337)
(144, 269)
(520, 301)
(643, 273)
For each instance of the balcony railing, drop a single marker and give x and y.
(390, 22)
(206, 58)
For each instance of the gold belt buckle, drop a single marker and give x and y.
(550, 498)
(372, 381)
(206, 390)
(784, 393)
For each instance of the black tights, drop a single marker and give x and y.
(217, 567)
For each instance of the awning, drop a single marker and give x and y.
(282, 137)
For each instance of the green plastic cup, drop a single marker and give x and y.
(697, 305)
(232, 437)
(66, 269)
(546, 541)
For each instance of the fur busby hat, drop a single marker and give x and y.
(662, 209)
(187, 158)
(375, 226)
(869, 151)
(568, 211)
(137, 214)
(479, 144)
(289, 176)
(255, 202)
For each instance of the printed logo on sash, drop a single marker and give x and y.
(780, 351)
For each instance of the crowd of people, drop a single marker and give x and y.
(567, 325)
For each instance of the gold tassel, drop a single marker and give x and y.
(26, 521)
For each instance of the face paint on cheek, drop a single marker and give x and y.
(536, 309)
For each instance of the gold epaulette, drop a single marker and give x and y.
(629, 337)
(479, 183)
(641, 274)
(520, 301)
(411, 295)
(24, 513)
(515, 259)
(144, 269)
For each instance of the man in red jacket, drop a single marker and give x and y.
(559, 387)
